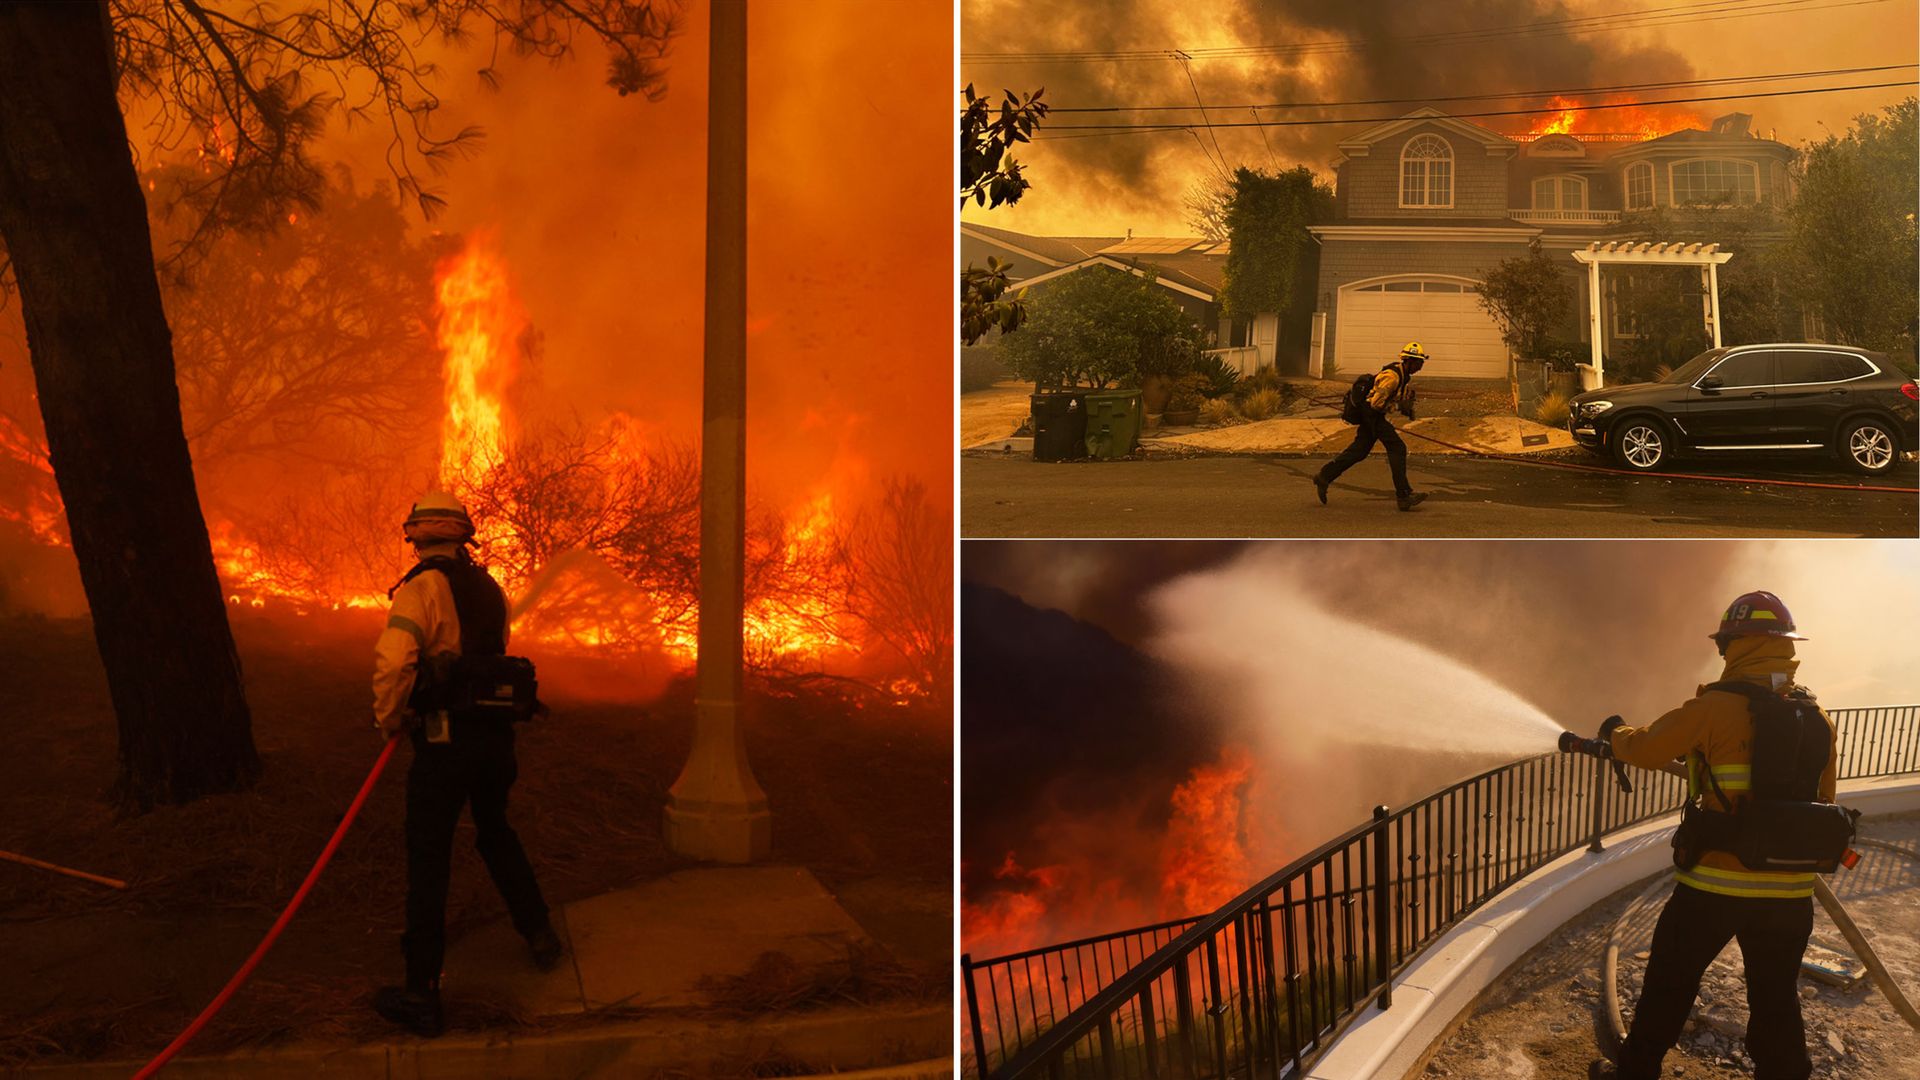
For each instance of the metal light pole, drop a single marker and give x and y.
(716, 810)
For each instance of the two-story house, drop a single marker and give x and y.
(1426, 204)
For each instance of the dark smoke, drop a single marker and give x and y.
(1580, 628)
(1159, 167)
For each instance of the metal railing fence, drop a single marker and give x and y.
(1262, 986)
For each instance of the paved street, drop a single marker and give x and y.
(1271, 496)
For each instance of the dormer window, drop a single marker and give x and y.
(1426, 173)
(1715, 180)
(1560, 193)
(1640, 186)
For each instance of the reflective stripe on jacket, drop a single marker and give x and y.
(1714, 732)
(422, 622)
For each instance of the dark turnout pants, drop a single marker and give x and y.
(1374, 427)
(476, 769)
(1693, 928)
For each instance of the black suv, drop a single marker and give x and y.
(1795, 398)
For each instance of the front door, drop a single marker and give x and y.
(1732, 403)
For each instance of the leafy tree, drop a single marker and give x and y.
(1851, 233)
(984, 303)
(991, 178)
(1270, 265)
(988, 174)
(1101, 327)
(240, 91)
(1527, 296)
(1758, 301)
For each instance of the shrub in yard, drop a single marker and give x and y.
(1260, 404)
(1188, 393)
(1661, 371)
(1217, 411)
(1552, 410)
(1266, 378)
(1221, 377)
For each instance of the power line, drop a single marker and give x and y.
(1703, 11)
(1135, 129)
(1670, 84)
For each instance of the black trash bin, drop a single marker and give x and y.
(1059, 425)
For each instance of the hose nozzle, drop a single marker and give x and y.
(1574, 744)
(1600, 748)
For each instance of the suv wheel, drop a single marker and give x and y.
(1641, 444)
(1869, 446)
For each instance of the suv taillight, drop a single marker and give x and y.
(1907, 388)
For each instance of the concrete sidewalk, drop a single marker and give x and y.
(668, 961)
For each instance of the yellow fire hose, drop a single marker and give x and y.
(1856, 939)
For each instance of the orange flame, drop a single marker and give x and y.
(1633, 124)
(478, 320)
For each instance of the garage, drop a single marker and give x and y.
(1441, 313)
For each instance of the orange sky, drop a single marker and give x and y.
(598, 204)
(1146, 175)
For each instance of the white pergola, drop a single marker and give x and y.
(1707, 257)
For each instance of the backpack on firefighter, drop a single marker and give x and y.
(481, 684)
(1782, 826)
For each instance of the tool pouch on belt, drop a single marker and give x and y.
(499, 688)
(1782, 826)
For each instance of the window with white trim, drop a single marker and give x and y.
(1712, 180)
(1426, 172)
(1560, 193)
(1640, 186)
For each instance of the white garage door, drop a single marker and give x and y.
(1444, 316)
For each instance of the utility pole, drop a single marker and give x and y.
(716, 810)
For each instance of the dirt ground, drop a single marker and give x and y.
(993, 413)
(861, 798)
(1541, 1020)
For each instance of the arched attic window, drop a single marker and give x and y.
(1426, 172)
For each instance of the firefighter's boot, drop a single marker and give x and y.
(544, 945)
(417, 1010)
(1412, 499)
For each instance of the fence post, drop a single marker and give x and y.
(1383, 905)
(1599, 793)
(973, 1014)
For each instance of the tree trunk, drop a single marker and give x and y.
(75, 224)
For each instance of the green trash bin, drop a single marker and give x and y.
(1114, 420)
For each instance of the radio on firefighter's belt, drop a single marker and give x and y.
(1781, 826)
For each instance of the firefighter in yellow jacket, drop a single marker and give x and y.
(1718, 898)
(446, 607)
(1392, 388)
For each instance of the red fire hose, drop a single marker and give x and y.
(273, 934)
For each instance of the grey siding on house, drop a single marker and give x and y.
(1344, 262)
(1372, 182)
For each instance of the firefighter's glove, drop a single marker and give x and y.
(397, 724)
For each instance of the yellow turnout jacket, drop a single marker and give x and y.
(1386, 386)
(1714, 733)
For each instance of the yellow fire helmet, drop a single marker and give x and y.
(1414, 351)
(439, 513)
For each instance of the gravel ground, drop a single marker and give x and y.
(1542, 1019)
